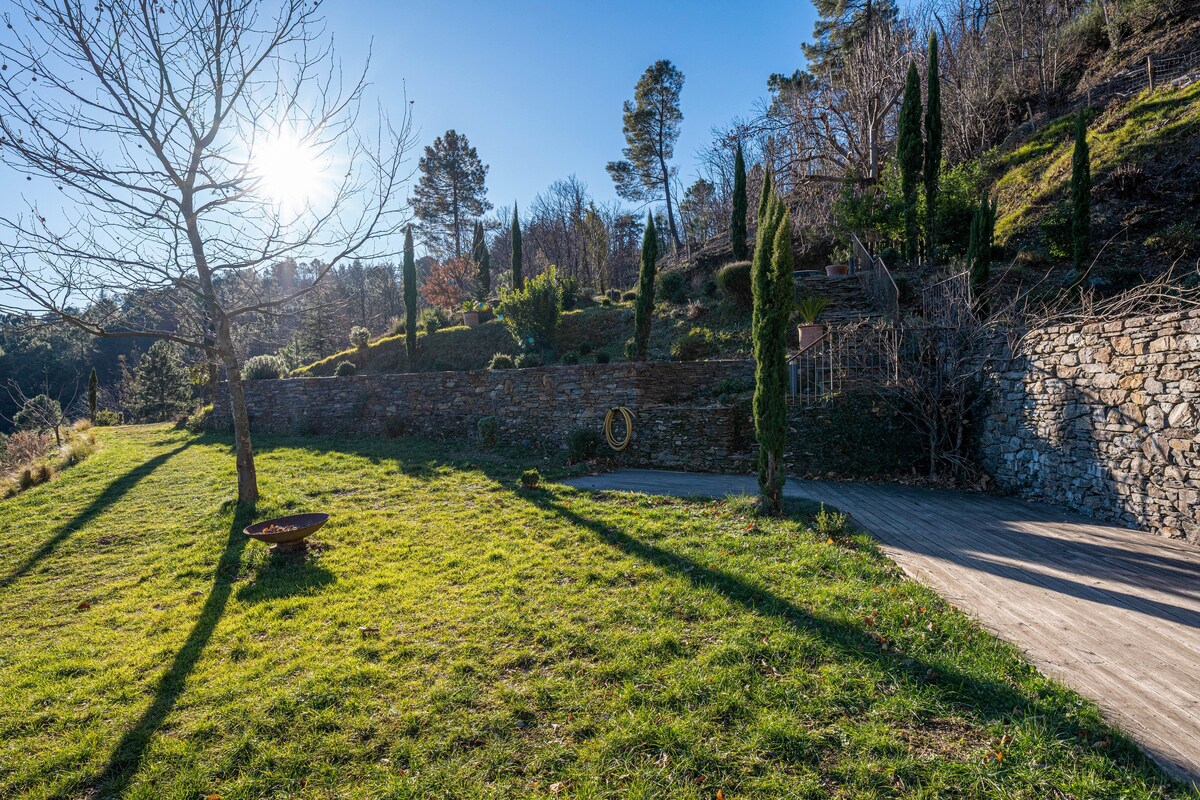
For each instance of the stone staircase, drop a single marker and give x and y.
(847, 300)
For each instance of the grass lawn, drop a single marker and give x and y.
(530, 643)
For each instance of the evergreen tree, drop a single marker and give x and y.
(451, 192)
(933, 147)
(842, 25)
(410, 298)
(651, 127)
(737, 226)
(160, 389)
(773, 289)
(644, 308)
(910, 153)
(93, 393)
(979, 250)
(518, 280)
(479, 254)
(764, 197)
(1081, 200)
(760, 267)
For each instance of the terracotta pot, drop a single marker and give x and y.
(810, 335)
(837, 269)
(473, 319)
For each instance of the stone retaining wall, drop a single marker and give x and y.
(1102, 418)
(678, 423)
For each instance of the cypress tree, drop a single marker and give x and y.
(518, 280)
(93, 394)
(644, 308)
(485, 271)
(764, 199)
(410, 298)
(1081, 200)
(979, 250)
(737, 226)
(933, 146)
(773, 299)
(760, 267)
(910, 153)
(478, 249)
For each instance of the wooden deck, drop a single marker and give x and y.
(1113, 613)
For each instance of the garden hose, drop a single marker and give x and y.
(627, 416)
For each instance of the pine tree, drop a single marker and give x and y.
(1081, 200)
(773, 290)
(737, 226)
(93, 394)
(933, 147)
(410, 298)
(451, 192)
(644, 308)
(160, 389)
(910, 153)
(518, 280)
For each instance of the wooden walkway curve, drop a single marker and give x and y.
(1113, 613)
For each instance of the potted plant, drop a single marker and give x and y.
(842, 268)
(477, 313)
(809, 310)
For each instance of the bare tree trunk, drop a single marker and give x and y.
(247, 478)
(670, 209)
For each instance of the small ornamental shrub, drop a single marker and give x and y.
(831, 525)
(570, 293)
(489, 431)
(695, 310)
(42, 472)
(602, 357)
(606, 302)
(583, 444)
(345, 369)
(261, 368)
(360, 337)
(531, 479)
(501, 361)
(728, 388)
(25, 479)
(527, 360)
(695, 344)
(672, 287)
(629, 296)
(733, 281)
(585, 349)
(198, 421)
(109, 418)
(532, 314)
(570, 357)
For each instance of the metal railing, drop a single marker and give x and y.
(876, 279)
(857, 355)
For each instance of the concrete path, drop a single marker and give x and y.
(1113, 613)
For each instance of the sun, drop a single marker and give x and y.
(291, 173)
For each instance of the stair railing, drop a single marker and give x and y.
(876, 279)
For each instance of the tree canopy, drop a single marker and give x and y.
(451, 193)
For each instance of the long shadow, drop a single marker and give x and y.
(127, 756)
(115, 490)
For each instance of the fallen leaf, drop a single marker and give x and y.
(556, 787)
(84, 606)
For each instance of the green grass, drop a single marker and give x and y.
(530, 643)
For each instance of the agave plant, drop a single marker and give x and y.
(810, 308)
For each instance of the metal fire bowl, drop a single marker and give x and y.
(305, 526)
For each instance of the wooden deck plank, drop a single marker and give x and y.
(1111, 612)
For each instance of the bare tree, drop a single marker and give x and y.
(199, 142)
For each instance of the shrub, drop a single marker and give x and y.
(570, 357)
(260, 368)
(24, 447)
(345, 369)
(432, 319)
(489, 430)
(80, 447)
(583, 444)
(360, 337)
(1182, 239)
(602, 357)
(501, 361)
(25, 479)
(109, 418)
(531, 479)
(726, 388)
(831, 524)
(672, 287)
(198, 420)
(630, 349)
(527, 360)
(395, 426)
(42, 472)
(570, 293)
(80, 426)
(695, 344)
(40, 413)
(585, 349)
(606, 302)
(532, 314)
(695, 310)
(629, 296)
(733, 281)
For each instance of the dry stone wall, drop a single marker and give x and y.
(678, 423)
(1103, 418)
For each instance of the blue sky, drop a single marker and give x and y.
(537, 87)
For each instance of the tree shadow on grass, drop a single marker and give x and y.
(286, 575)
(990, 701)
(110, 495)
(126, 758)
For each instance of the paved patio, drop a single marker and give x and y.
(1113, 613)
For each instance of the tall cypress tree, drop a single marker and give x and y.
(644, 308)
(773, 289)
(518, 280)
(93, 394)
(737, 225)
(1081, 200)
(760, 267)
(933, 146)
(410, 298)
(478, 248)
(764, 198)
(911, 153)
(979, 250)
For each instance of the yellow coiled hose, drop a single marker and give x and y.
(627, 417)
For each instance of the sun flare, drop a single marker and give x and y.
(291, 172)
